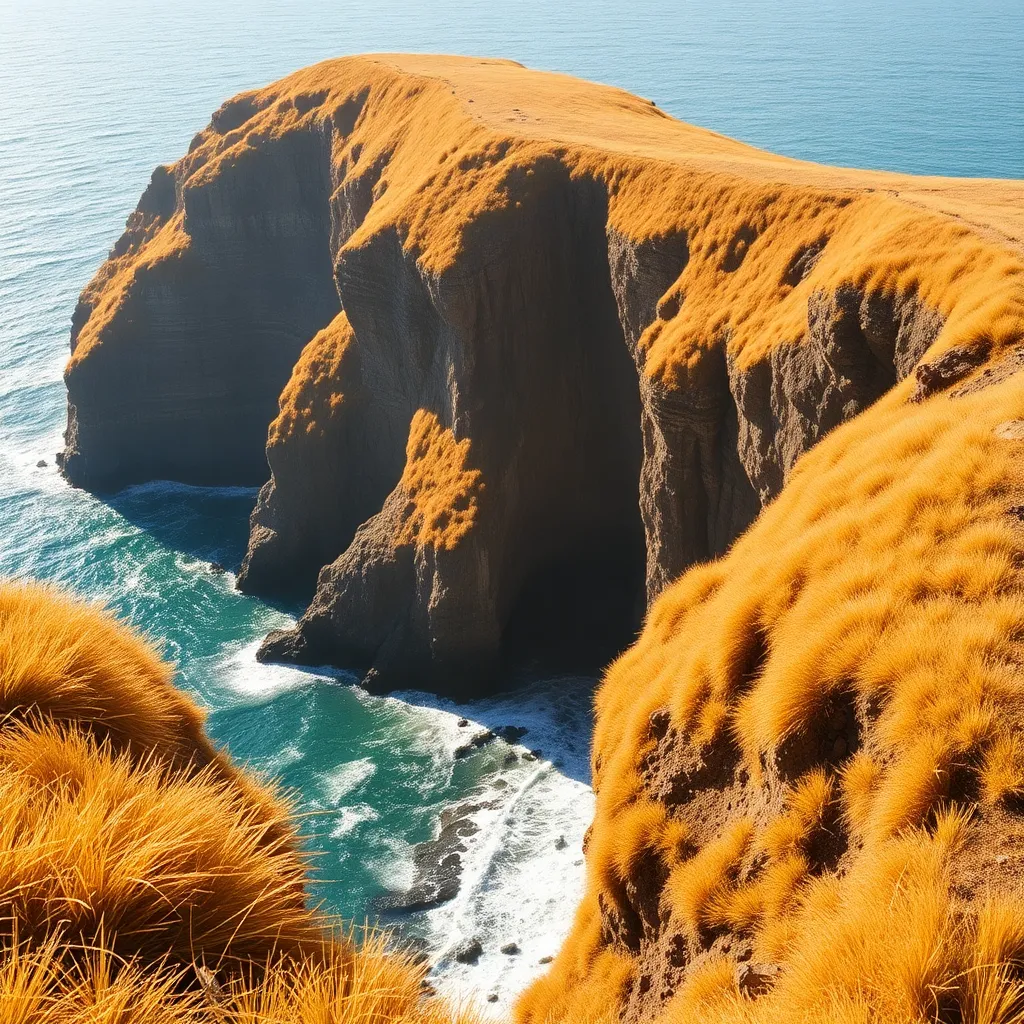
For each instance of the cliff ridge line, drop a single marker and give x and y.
(632, 328)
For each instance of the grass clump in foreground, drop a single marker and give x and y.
(142, 876)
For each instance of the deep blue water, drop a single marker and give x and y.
(93, 94)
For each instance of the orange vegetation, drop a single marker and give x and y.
(312, 397)
(812, 757)
(142, 876)
(439, 146)
(443, 494)
(814, 750)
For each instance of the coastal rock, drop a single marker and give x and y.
(469, 952)
(524, 377)
(437, 863)
(183, 341)
(764, 827)
(512, 733)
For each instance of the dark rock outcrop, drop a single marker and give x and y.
(437, 863)
(531, 381)
(219, 281)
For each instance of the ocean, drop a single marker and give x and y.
(94, 94)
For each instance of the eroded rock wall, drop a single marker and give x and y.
(518, 351)
(213, 308)
(524, 365)
(808, 810)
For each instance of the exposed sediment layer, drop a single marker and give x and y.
(565, 340)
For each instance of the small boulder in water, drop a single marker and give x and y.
(512, 733)
(463, 722)
(287, 645)
(217, 569)
(545, 959)
(469, 952)
(477, 741)
(560, 843)
(510, 948)
(492, 997)
(41, 464)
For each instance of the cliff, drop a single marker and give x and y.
(809, 771)
(575, 351)
(582, 345)
(144, 876)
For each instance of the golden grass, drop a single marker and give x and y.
(70, 663)
(698, 886)
(442, 490)
(39, 986)
(456, 140)
(882, 585)
(143, 878)
(852, 672)
(313, 396)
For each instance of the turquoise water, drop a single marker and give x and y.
(93, 95)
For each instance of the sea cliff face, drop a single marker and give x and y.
(622, 329)
(183, 341)
(555, 359)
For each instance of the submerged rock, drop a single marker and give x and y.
(437, 863)
(469, 952)
(511, 733)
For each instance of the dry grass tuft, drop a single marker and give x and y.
(143, 878)
(698, 888)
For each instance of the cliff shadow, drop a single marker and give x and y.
(559, 410)
(209, 524)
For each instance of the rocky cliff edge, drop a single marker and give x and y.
(530, 347)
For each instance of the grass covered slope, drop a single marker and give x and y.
(142, 877)
(810, 768)
(560, 304)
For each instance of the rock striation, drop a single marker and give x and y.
(522, 365)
